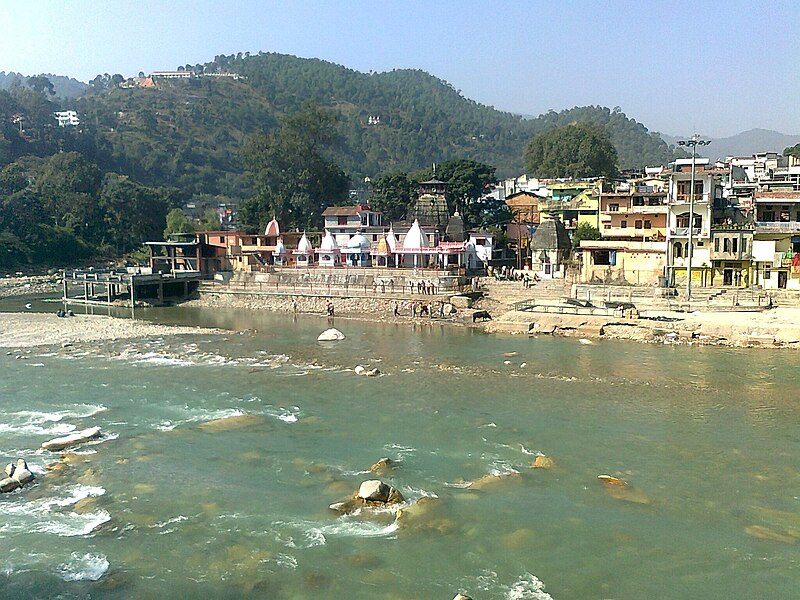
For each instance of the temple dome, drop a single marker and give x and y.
(358, 242)
(272, 228)
(391, 240)
(328, 242)
(415, 238)
(304, 245)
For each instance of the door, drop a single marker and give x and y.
(783, 277)
(727, 277)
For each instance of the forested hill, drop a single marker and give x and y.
(187, 134)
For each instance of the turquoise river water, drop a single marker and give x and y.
(707, 439)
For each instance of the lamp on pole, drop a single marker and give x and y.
(692, 142)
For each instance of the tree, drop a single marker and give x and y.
(792, 151)
(41, 85)
(132, 213)
(209, 221)
(577, 150)
(584, 231)
(467, 182)
(293, 178)
(392, 194)
(177, 222)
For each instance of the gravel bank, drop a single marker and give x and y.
(24, 330)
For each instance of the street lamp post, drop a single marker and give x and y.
(694, 141)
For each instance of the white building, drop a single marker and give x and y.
(172, 74)
(67, 118)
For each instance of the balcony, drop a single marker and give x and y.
(778, 226)
(648, 210)
(684, 232)
(703, 198)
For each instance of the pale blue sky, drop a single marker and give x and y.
(714, 67)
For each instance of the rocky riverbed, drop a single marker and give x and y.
(24, 330)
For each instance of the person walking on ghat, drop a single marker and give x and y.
(396, 310)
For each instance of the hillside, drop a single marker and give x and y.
(187, 134)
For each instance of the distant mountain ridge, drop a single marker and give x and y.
(65, 87)
(746, 143)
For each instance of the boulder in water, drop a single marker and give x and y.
(8, 484)
(373, 372)
(21, 473)
(330, 335)
(9, 470)
(374, 490)
(360, 370)
(461, 597)
(72, 439)
(542, 462)
(383, 465)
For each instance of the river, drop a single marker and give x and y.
(706, 438)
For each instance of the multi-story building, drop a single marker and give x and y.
(67, 118)
(633, 230)
(708, 197)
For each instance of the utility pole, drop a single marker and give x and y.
(694, 141)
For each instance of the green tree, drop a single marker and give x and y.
(293, 178)
(133, 213)
(392, 194)
(577, 150)
(68, 185)
(468, 181)
(584, 231)
(177, 222)
(792, 151)
(209, 221)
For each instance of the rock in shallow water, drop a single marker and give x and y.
(330, 335)
(73, 439)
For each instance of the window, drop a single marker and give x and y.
(613, 208)
(716, 244)
(221, 239)
(638, 224)
(734, 245)
(677, 250)
(623, 224)
(602, 257)
(341, 220)
(768, 215)
(744, 246)
(726, 245)
(606, 226)
(647, 224)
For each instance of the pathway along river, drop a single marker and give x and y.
(707, 439)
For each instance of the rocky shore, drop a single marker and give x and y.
(30, 285)
(24, 330)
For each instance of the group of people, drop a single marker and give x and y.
(65, 313)
(422, 309)
(423, 287)
(506, 273)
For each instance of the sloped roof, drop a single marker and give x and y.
(551, 235)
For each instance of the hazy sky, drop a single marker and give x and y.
(678, 67)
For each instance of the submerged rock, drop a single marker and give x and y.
(542, 462)
(330, 335)
(73, 439)
(493, 480)
(619, 489)
(382, 465)
(232, 422)
(765, 533)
